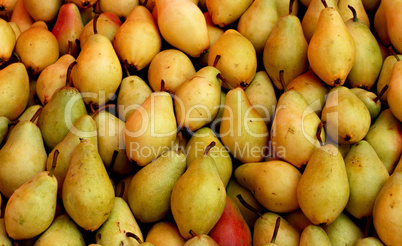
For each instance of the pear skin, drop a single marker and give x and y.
(214, 32)
(121, 8)
(164, 232)
(380, 25)
(297, 219)
(343, 231)
(4, 239)
(224, 12)
(385, 75)
(395, 86)
(43, 10)
(393, 18)
(107, 24)
(20, 16)
(370, 99)
(358, 6)
(369, 241)
(8, 39)
(315, 236)
(83, 4)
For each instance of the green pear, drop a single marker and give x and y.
(8, 39)
(238, 68)
(193, 112)
(249, 24)
(323, 190)
(347, 117)
(62, 231)
(32, 207)
(150, 129)
(198, 197)
(164, 233)
(385, 136)
(121, 220)
(387, 211)
(242, 130)
(347, 14)
(137, 40)
(88, 194)
(172, 66)
(294, 116)
(332, 38)
(84, 128)
(43, 10)
(106, 24)
(23, 155)
(366, 175)
(286, 49)
(150, 188)
(368, 61)
(371, 100)
(385, 75)
(4, 124)
(395, 86)
(343, 231)
(314, 235)
(201, 240)
(30, 112)
(14, 88)
(369, 241)
(195, 148)
(4, 239)
(179, 17)
(226, 12)
(110, 139)
(273, 183)
(61, 112)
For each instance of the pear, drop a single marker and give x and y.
(242, 129)
(323, 190)
(214, 32)
(137, 40)
(391, 10)
(164, 233)
(106, 24)
(150, 188)
(132, 93)
(369, 241)
(68, 28)
(84, 128)
(4, 127)
(371, 100)
(345, 124)
(294, 116)
(201, 240)
(385, 75)
(192, 113)
(4, 239)
(62, 231)
(332, 38)
(195, 148)
(357, 5)
(224, 12)
(83, 3)
(366, 175)
(173, 67)
(16, 29)
(284, 7)
(64, 108)
(198, 197)
(121, 8)
(8, 39)
(31, 208)
(52, 78)
(286, 49)
(238, 68)
(380, 24)
(121, 188)
(314, 235)
(260, 11)
(88, 194)
(387, 211)
(261, 94)
(14, 88)
(20, 16)
(7, 7)
(150, 129)
(385, 136)
(120, 221)
(297, 219)
(37, 48)
(28, 114)
(395, 86)
(43, 10)
(343, 231)
(23, 155)
(368, 61)
(273, 183)
(182, 24)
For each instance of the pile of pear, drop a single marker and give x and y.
(201, 122)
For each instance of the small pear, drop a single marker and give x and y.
(357, 5)
(164, 233)
(385, 75)
(226, 12)
(62, 231)
(201, 240)
(137, 40)
(238, 68)
(43, 10)
(371, 100)
(20, 16)
(4, 239)
(332, 38)
(31, 208)
(106, 24)
(323, 190)
(369, 241)
(182, 24)
(150, 188)
(315, 236)
(343, 231)
(7, 8)
(14, 88)
(150, 129)
(8, 39)
(395, 86)
(88, 194)
(120, 8)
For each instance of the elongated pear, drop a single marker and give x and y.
(395, 86)
(391, 10)
(224, 12)
(20, 16)
(315, 236)
(343, 231)
(150, 129)
(88, 194)
(323, 190)
(385, 75)
(242, 129)
(182, 24)
(332, 38)
(8, 39)
(380, 24)
(43, 10)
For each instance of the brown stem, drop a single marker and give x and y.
(70, 47)
(68, 77)
(325, 3)
(217, 58)
(130, 234)
(209, 147)
(392, 52)
(369, 222)
(382, 92)
(114, 156)
(282, 80)
(125, 66)
(319, 131)
(277, 224)
(55, 155)
(220, 76)
(245, 204)
(123, 188)
(95, 20)
(192, 233)
(291, 6)
(163, 85)
(353, 12)
(36, 115)
(17, 56)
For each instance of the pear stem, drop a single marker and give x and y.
(70, 47)
(217, 58)
(282, 80)
(291, 6)
(36, 115)
(353, 12)
(180, 136)
(125, 66)
(55, 155)
(382, 92)
(97, 9)
(245, 204)
(68, 77)
(392, 52)
(95, 20)
(324, 3)
(14, 122)
(277, 224)
(192, 233)
(319, 131)
(123, 188)
(210, 146)
(130, 234)
(114, 156)
(220, 76)
(162, 85)
(17, 56)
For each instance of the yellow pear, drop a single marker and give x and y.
(7, 7)
(369, 241)
(392, 8)
(323, 190)
(120, 8)
(43, 10)
(394, 89)
(343, 231)
(83, 3)
(214, 32)
(164, 233)
(106, 24)
(344, 11)
(150, 129)
(284, 7)
(242, 129)
(380, 24)
(182, 24)
(385, 75)
(8, 39)
(314, 235)
(332, 38)
(226, 12)
(4, 239)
